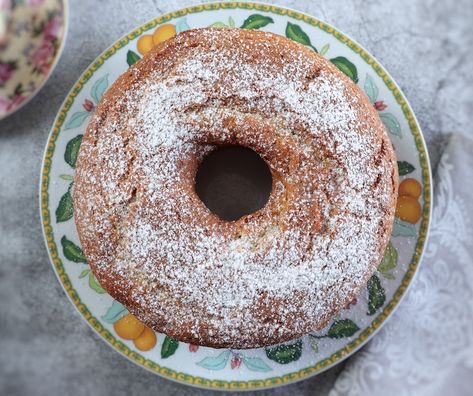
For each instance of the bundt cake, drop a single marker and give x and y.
(269, 276)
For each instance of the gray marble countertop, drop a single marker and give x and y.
(45, 347)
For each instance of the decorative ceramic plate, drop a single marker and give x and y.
(253, 368)
(32, 36)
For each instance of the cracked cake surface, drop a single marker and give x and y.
(267, 277)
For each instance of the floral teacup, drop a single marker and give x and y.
(32, 35)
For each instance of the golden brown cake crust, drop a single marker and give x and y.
(268, 277)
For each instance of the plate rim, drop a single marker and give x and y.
(55, 62)
(301, 374)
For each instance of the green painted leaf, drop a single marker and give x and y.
(342, 328)
(285, 353)
(388, 262)
(294, 32)
(215, 362)
(389, 276)
(345, 66)
(72, 252)
(182, 25)
(99, 88)
(231, 22)
(65, 209)
(371, 89)
(72, 150)
(67, 177)
(256, 21)
(218, 25)
(169, 347)
(132, 57)
(115, 312)
(94, 284)
(84, 273)
(76, 120)
(376, 295)
(256, 364)
(314, 344)
(403, 228)
(324, 49)
(391, 122)
(404, 168)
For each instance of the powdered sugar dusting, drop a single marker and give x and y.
(272, 275)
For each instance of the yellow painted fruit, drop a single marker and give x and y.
(129, 327)
(410, 187)
(163, 33)
(145, 43)
(408, 209)
(146, 341)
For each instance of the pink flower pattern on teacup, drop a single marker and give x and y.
(34, 3)
(6, 71)
(8, 104)
(4, 105)
(42, 56)
(52, 28)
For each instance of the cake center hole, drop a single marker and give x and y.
(233, 181)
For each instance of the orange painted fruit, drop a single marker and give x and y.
(129, 327)
(410, 187)
(163, 33)
(144, 44)
(146, 340)
(408, 209)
